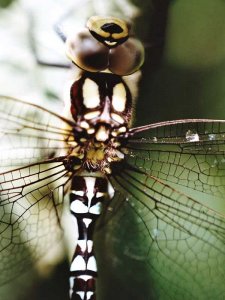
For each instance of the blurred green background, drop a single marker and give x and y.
(183, 77)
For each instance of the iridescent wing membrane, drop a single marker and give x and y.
(174, 183)
(169, 195)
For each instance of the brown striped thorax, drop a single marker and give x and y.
(101, 102)
(101, 105)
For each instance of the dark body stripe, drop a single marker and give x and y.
(86, 197)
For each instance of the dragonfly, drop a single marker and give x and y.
(164, 181)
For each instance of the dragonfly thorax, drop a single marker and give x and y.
(93, 156)
(99, 157)
(101, 106)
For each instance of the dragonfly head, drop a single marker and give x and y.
(105, 46)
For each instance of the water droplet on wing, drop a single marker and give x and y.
(192, 136)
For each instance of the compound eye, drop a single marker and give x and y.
(126, 58)
(86, 52)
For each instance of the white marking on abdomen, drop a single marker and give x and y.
(78, 264)
(78, 207)
(87, 222)
(90, 183)
(91, 265)
(96, 209)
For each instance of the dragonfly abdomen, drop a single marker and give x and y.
(86, 197)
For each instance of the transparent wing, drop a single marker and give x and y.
(31, 197)
(168, 212)
(30, 208)
(188, 153)
(30, 133)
